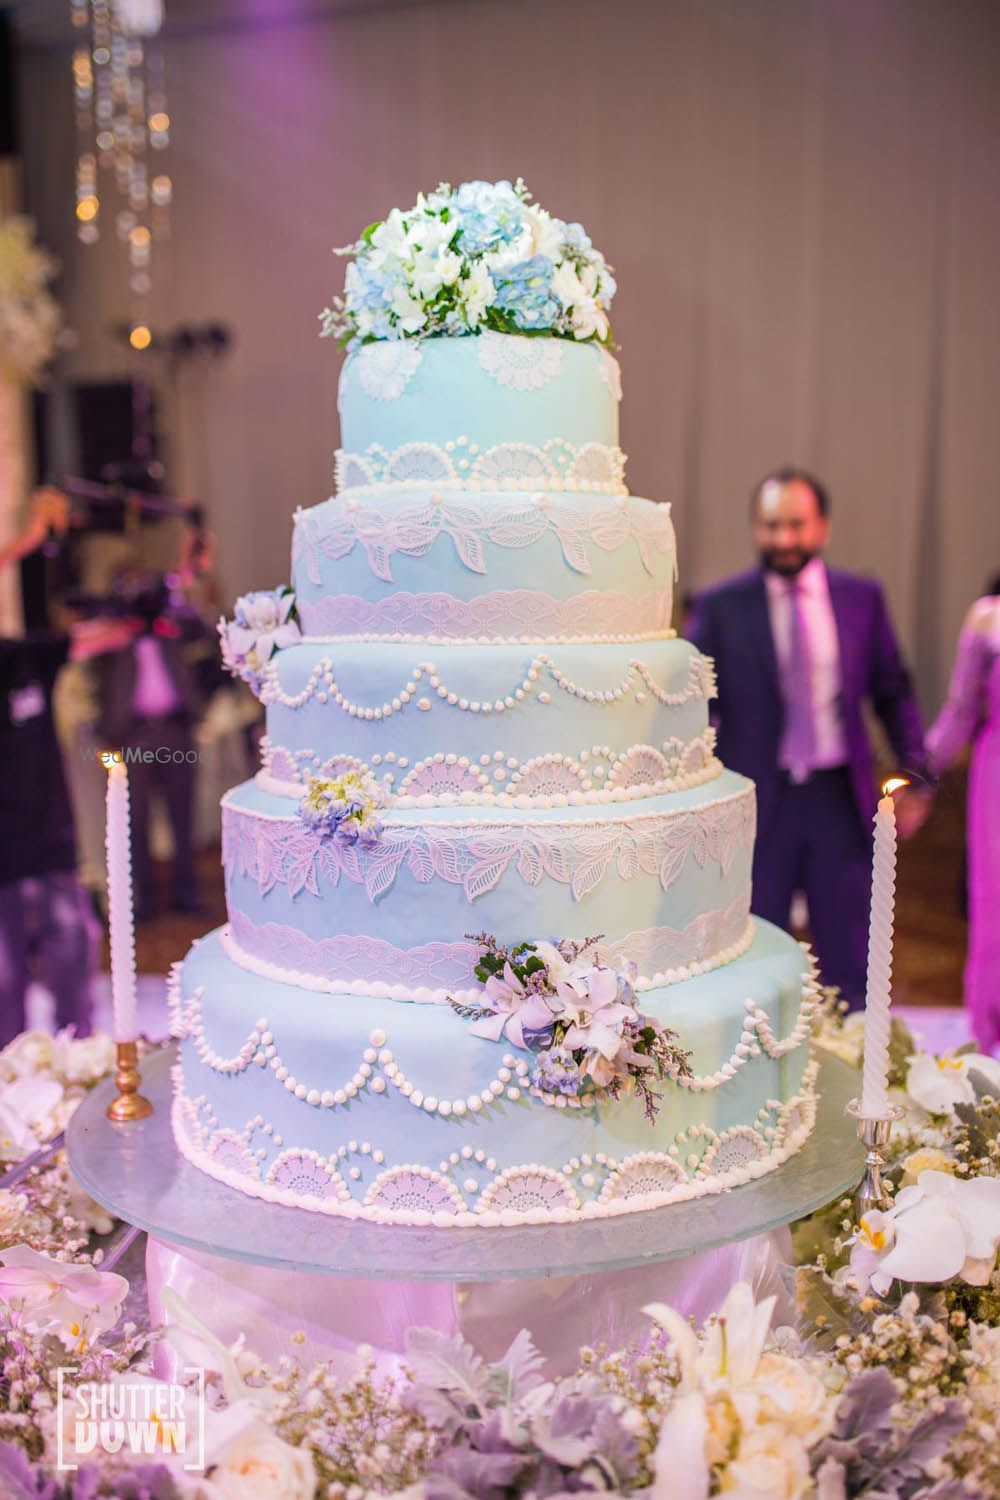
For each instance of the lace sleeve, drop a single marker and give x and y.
(956, 724)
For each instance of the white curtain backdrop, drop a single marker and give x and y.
(799, 196)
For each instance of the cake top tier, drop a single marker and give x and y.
(465, 260)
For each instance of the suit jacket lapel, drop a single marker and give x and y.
(758, 623)
(840, 603)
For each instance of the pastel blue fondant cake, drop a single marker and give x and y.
(482, 733)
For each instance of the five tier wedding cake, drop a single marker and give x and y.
(489, 958)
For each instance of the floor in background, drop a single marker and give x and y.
(930, 924)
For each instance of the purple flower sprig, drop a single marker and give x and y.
(344, 808)
(578, 1016)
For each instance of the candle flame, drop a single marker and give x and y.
(109, 759)
(893, 785)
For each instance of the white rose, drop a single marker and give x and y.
(84, 1059)
(31, 1052)
(770, 1464)
(246, 1460)
(793, 1395)
(546, 233)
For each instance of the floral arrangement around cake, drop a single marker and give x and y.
(479, 257)
(886, 1387)
(29, 315)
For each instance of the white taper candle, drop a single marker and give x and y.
(875, 1075)
(118, 844)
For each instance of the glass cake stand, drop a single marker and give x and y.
(137, 1173)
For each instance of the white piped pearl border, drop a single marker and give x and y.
(638, 679)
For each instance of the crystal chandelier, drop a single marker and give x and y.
(122, 128)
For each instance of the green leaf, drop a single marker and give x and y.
(367, 233)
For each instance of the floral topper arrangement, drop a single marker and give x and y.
(29, 315)
(263, 622)
(344, 808)
(461, 260)
(578, 1016)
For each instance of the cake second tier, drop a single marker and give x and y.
(666, 880)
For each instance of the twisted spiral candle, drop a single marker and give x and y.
(121, 934)
(875, 1077)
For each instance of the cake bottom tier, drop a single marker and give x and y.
(395, 1112)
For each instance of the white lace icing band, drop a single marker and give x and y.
(433, 972)
(504, 615)
(461, 465)
(596, 776)
(412, 530)
(472, 1190)
(272, 850)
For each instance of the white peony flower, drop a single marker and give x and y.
(939, 1083)
(770, 1464)
(941, 1228)
(245, 1459)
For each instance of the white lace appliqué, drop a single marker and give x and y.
(519, 363)
(385, 369)
(433, 972)
(281, 851)
(412, 531)
(611, 373)
(461, 465)
(504, 615)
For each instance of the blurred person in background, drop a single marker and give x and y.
(47, 928)
(145, 656)
(971, 714)
(799, 650)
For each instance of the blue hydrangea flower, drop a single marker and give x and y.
(490, 214)
(557, 1072)
(344, 808)
(525, 291)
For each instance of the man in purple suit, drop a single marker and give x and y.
(799, 649)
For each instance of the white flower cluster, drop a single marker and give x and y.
(480, 256)
(29, 315)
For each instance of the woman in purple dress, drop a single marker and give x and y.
(972, 712)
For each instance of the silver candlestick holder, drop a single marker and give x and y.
(874, 1131)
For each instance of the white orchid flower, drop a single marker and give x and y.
(939, 1083)
(75, 1302)
(197, 1345)
(940, 1228)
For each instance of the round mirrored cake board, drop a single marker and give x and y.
(267, 1270)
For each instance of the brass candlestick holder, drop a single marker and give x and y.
(874, 1131)
(129, 1103)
